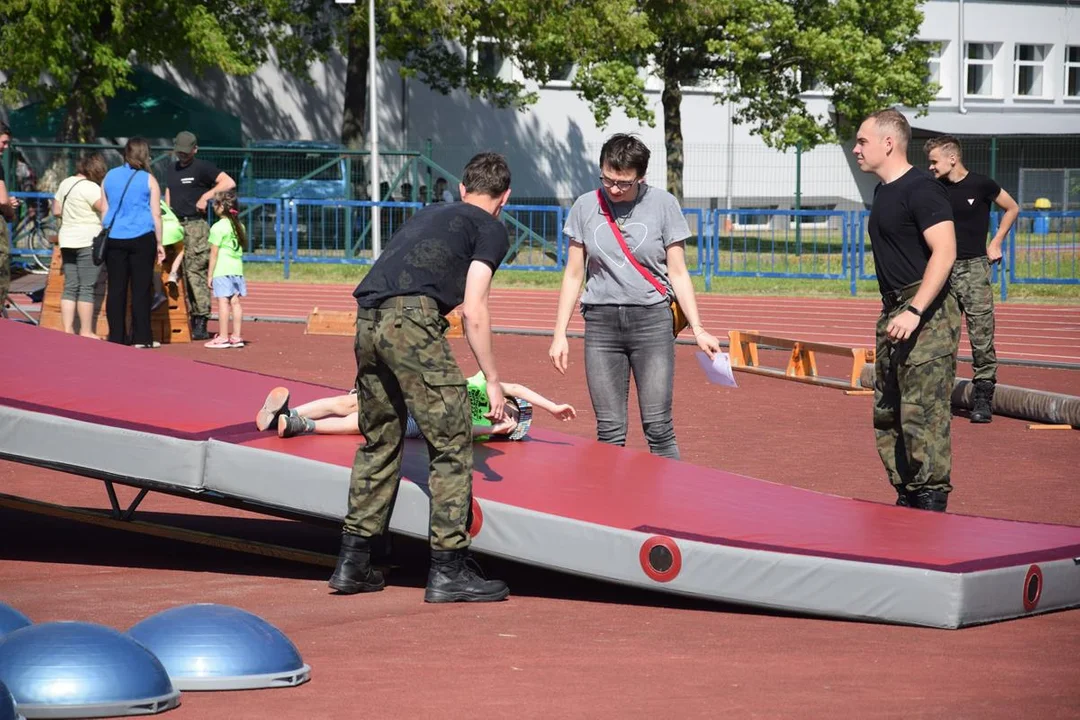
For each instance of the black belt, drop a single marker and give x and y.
(408, 301)
(185, 218)
(895, 298)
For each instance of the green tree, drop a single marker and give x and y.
(76, 54)
(759, 53)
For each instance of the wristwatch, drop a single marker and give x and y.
(914, 311)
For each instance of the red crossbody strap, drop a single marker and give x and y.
(622, 243)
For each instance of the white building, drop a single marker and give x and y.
(1008, 70)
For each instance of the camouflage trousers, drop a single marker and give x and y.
(913, 386)
(970, 282)
(5, 263)
(403, 364)
(196, 265)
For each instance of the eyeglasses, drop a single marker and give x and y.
(621, 184)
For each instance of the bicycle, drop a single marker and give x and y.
(34, 233)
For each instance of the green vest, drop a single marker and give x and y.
(479, 404)
(172, 231)
(478, 399)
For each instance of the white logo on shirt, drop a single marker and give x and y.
(189, 180)
(602, 236)
(971, 201)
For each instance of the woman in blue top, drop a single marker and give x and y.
(133, 198)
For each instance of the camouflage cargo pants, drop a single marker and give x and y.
(196, 265)
(5, 263)
(404, 364)
(970, 282)
(913, 386)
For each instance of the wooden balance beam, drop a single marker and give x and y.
(168, 323)
(343, 322)
(802, 364)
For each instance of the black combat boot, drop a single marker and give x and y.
(198, 328)
(903, 497)
(933, 500)
(354, 573)
(453, 579)
(982, 401)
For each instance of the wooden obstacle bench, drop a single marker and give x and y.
(168, 323)
(343, 322)
(802, 363)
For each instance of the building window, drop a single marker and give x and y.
(747, 219)
(1072, 71)
(563, 73)
(489, 61)
(979, 68)
(813, 221)
(811, 84)
(1030, 76)
(933, 65)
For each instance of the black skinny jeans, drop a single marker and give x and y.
(130, 261)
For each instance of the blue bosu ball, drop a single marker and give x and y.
(11, 619)
(7, 705)
(82, 670)
(218, 647)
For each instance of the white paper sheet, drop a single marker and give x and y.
(717, 370)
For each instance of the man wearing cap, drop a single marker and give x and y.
(190, 184)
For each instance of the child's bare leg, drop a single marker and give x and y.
(223, 317)
(338, 406)
(293, 425)
(338, 425)
(237, 316)
(175, 269)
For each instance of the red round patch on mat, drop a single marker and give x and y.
(1033, 585)
(476, 519)
(660, 558)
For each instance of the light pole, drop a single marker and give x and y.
(373, 133)
(373, 130)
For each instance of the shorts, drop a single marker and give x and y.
(226, 286)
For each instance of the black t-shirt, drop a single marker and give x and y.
(431, 253)
(903, 210)
(972, 199)
(187, 184)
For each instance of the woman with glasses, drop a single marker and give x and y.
(628, 244)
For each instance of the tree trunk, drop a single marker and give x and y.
(356, 71)
(83, 115)
(671, 98)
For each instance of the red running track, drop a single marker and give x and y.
(1036, 333)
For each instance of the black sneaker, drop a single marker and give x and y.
(454, 577)
(276, 405)
(292, 425)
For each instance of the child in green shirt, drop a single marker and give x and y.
(226, 272)
(339, 415)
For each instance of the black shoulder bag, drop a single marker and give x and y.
(101, 240)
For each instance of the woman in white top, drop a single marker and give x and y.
(80, 205)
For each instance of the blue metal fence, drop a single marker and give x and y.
(1042, 247)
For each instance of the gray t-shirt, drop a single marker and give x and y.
(649, 224)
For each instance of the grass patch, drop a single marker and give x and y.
(319, 273)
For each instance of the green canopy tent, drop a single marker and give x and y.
(155, 109)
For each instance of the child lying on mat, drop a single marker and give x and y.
(338, 415)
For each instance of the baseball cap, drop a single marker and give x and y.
(525, 415)
(185, 142)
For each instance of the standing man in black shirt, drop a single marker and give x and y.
(972, 195)
(444, 256)
(914, 246)
(190, 184)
